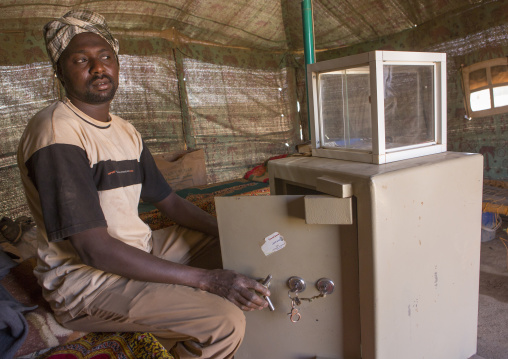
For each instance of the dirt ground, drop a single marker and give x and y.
(493, 307)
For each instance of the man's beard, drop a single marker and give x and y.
(101, 97)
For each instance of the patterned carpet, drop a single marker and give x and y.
(109, 346)
(495, 197)
(204, 198)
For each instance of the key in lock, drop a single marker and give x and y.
(266, 283)
(296, 284)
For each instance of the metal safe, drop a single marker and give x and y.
(397, 244)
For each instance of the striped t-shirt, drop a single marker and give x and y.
(79, 173)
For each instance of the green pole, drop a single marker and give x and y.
(308, 47)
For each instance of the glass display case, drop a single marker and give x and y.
(378, 107)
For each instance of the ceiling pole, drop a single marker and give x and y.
(308, 48)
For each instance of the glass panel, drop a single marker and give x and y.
(500, 96)
(478, 79)
(480, 100)
(345, 109)
(499, 74)
(409, 105)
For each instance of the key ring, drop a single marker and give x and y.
(295, 316)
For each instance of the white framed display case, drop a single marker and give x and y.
(378, 107)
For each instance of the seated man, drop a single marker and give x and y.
(101, 268)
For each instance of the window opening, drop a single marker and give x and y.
(485, 87)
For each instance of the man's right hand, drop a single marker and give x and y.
(237, 288)
(98, 249)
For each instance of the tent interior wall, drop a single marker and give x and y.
(228, 77)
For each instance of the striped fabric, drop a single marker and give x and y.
(59, 33)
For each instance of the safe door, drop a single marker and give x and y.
(271, 235)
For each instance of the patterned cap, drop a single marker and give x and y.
(59, 33)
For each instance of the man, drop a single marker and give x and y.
(100, 266)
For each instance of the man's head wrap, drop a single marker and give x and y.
(59, 33)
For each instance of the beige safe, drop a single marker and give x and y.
(399, 244)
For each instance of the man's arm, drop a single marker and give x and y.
(98, 249)
(188, 215)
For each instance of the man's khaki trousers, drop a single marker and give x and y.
(189, 322)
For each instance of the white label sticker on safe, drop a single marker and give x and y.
(273, 243)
